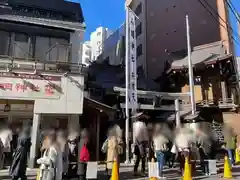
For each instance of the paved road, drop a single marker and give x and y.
(126, 173)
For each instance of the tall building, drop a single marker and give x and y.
(86, 53)
(97, 39)
(163, 28)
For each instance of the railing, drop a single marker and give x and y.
(22, 60)
(222, 103)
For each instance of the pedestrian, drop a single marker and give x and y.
(230, 142)
(62, 141)
(73, 153)
(84, 154)
(51, 165)
(20, 156)
(6, 138)
(141, 140)
(160, 146)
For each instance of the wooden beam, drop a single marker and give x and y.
(161, 108)
(164, 95)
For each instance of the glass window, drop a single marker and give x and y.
(139, 30)
(138, 9)
(5, 40)
(41, 48)
(23, 46)
(139, 50)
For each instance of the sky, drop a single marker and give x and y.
(236, 4)
(106, 13)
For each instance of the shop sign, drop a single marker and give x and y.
(29, 88)
(133, 62)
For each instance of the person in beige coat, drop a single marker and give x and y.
(113, 147)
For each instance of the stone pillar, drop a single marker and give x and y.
(34, 139)
(177, 110)
(224, 91)
(73, 125)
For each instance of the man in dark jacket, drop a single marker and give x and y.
(20, 156)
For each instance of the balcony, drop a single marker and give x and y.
(227, 103)
(20, 52)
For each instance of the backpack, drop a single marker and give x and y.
(84, 154)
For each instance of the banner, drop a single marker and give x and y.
(133, 104)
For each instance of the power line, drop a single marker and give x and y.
(234, 10)
(216, 19)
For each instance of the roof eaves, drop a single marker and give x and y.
(45, 22)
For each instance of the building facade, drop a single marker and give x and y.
(86, 53)
(41, 74)
(164, 28)
(97, 39)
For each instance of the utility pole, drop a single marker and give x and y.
(127, 86)
(190, 69)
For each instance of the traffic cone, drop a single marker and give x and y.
(187, 170)
(115, 171)
(237, 156)
(227, 169)
(153, 178)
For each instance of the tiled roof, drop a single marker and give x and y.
(202, 54)
(44, 22)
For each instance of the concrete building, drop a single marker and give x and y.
(97, 39)
(41, 75)
(86, 53)
(163, 30)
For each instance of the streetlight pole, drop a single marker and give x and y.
(190, 69)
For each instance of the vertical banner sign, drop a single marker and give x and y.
(132, 62)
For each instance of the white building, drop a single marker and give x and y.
(97, 39)
(41, 80)
(86, 53)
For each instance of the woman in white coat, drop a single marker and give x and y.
(51, 165)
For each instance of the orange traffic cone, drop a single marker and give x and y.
(227, 169)
(187, 175)
(115, 171)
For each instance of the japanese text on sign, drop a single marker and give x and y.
(133, 63)
(48, 90)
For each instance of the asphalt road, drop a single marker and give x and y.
(126, 173)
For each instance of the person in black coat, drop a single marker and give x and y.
(20, 156)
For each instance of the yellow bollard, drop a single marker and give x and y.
(227, 169)
(115, 171)
(153, 178)
(38, 175)
(237, 156)
(187, 175)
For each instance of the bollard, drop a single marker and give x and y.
(153, 178)
(187, 175)
(227, 169)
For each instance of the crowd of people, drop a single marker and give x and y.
(65, 156)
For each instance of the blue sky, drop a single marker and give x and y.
(236, 4)
(106, 13)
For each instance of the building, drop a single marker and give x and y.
(163, 28)
(97, 39)
(42, 78)
(86, 53)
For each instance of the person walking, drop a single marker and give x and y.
(230, 142)
(51, 165)
(20, 156)
(84, 154)
(160, 146)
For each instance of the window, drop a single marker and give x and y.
(139, 50)
(139, 30)
(23, 46)
(138, 9)
(5, 43)
(98, 33)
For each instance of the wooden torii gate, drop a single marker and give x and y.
(155, 96)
